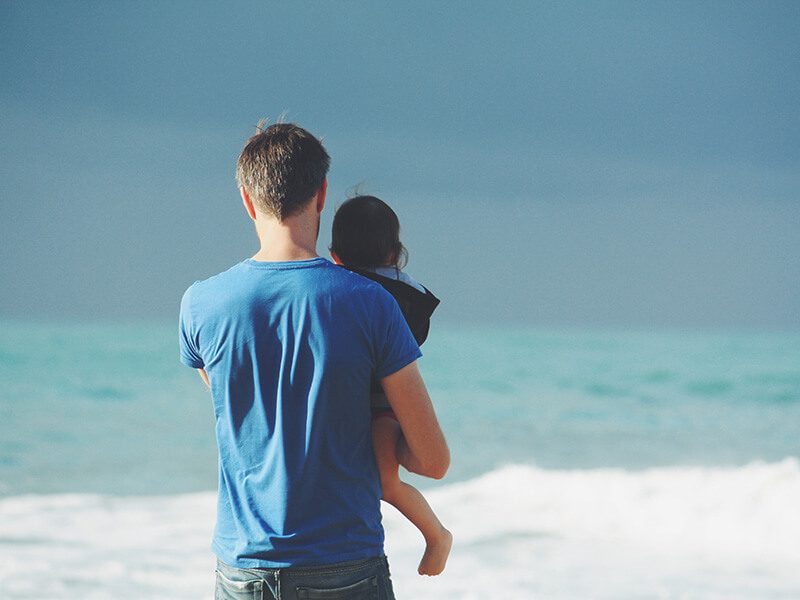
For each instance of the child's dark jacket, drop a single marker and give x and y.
(416, 306)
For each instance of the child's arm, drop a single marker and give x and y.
(422, 448)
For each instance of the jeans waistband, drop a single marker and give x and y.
(330, 569)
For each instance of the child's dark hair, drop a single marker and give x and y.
(366, 234)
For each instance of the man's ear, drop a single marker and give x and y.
(248, 204)
(321, 193)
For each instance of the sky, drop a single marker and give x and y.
(603, 164)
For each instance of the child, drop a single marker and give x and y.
(366, 240)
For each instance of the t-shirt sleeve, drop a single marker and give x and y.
(190, 353)
(396, 346)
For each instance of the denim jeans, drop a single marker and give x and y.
(355, 580)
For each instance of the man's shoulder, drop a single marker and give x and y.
(353, 276)
(222, 278)
(398, 288)
(329, 280)
(361, 283)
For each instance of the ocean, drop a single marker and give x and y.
(586, 464)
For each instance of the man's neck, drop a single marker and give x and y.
(295, 238)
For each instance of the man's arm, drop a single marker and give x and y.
(204, 377)
(423, 448)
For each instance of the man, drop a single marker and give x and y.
(287, 343)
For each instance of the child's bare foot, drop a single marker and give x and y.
(436, 552)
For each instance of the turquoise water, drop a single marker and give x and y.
(107, 408)
(614, 465)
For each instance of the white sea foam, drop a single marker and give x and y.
(520, 531)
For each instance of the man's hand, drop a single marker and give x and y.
(422, 449)
(204, 377)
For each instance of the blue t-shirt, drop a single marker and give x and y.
(289, 348)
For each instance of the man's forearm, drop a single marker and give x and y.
(423, 448)
(407, 458)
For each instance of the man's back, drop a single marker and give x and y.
(290, 348)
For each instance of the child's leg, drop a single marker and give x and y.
(407, 499)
